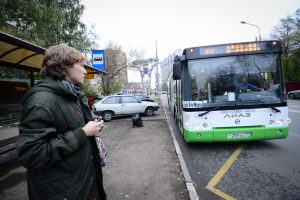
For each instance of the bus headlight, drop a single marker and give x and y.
(189, 126)
(280, 122)
(197, 126)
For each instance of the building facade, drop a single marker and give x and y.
(166, 66)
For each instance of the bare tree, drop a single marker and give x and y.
(137, 61)
(288, 32)
(116, 67)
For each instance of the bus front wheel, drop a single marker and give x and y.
(174, 115)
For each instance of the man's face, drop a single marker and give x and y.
(76, 73)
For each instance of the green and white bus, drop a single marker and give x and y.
(229, 92)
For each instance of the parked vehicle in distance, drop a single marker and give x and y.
(116, 105)
(143, 97)
(294, 94)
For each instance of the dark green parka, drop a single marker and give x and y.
(61, 161)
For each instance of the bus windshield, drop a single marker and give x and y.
(242, 79)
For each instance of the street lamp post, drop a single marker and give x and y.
(243, 22)
(157, 78)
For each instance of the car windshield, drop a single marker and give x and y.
(141, 96)
(111, 100)
(244, 79)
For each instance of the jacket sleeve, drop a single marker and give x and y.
(38, 144)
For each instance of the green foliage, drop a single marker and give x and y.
(88, 89)
(292, 67)
(47, 22)
(110, 86)
(8, 73)
(288, 33)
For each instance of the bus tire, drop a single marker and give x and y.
(174, 115)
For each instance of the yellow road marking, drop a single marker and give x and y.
(220, 193)
(214, 181)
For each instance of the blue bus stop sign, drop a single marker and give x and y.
(98, 59)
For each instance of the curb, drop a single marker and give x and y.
(187, 177)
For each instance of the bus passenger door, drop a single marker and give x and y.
(179, 105)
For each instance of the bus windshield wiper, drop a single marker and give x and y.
(233, 103)
(200, 115)
(268, 106)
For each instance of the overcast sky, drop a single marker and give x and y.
(178, 24)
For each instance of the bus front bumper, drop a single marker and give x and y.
(236, 134)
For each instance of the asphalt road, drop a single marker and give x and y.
(250, 170)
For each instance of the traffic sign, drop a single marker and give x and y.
(98, 59)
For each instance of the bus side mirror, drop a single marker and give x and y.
(177, 67)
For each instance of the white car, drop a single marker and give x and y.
(294, 94)
(123, 105)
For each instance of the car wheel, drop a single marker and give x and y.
(292, 96)
(107, 116)
(149, 111)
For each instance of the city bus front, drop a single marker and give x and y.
(233, 92)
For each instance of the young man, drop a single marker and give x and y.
(56, 140)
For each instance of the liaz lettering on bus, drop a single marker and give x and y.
(237, 115)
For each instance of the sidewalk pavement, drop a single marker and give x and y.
(142, 162)
(8, 132)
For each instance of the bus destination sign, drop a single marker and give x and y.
(235, 48)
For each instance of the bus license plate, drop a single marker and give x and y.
(238, 135)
